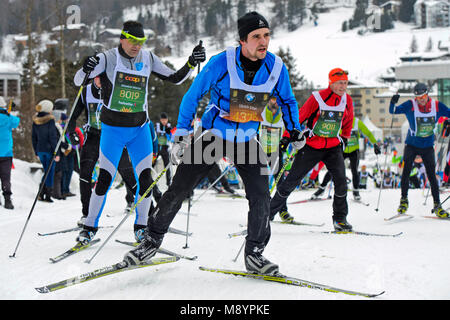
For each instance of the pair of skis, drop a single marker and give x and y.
(123, 266)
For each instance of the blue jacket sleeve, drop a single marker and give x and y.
(201, 86)
(403, 108)
(444, 111)
(286, 100)
(14, 121)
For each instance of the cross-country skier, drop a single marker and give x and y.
(329, 119)
(8, 122)
(163, 132)
(352, 152)
(124, 73)
(422, 113)
(241, 80)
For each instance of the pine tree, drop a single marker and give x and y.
(429, 47)
(290, 62)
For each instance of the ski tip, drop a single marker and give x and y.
(42, 290)
(376, 294)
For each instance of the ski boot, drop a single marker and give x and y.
(403, 206)
(85, 236)
(8, 203)
(318, 193)
(438, 211)
(257, 263)
(341, 224)
(286, 217)
(80, 223)
(128, 207)
(139, 233)
(143, 252)
(356, 195)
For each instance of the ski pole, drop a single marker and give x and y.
(283, 168)
(239, 252)
(187, 223)
(438, 164)
(41, 185)
(385, 165)
(213, 184)
(163, 172)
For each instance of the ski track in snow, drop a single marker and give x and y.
(410, 266)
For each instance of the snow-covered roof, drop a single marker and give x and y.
(9, 68)
(73, 26)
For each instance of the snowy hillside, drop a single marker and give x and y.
(411, 266)
(318, 49)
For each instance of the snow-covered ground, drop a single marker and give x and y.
(411, 266)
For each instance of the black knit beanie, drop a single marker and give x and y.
(250, 22)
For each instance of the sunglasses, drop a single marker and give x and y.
(134, 40)
(421, 95)
(340, 73)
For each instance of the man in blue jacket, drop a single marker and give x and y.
(240, 80)
(7, 123)
(422, 114)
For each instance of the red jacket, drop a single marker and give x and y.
(309, 113)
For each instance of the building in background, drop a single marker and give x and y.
(10, 82)
(432, 13)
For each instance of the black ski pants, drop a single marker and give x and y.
(354, 163)
(304, 161)
(5, 175)
(429, 161)
(251, 164)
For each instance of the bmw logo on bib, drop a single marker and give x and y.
(331, 114)
(250, 97)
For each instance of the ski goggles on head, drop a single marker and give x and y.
(134, 40)
(340, 73)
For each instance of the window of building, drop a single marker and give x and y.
(367, 101)
(367, 110)
(382, 101)
(367, 91)
(382, 110)
(382, 120)
(13, 88)
(2, 87)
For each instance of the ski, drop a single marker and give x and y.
(229, 195)
(436, 217)
(237, 234)
(399, 215)
(160, 250)
(280, 278)
(76, 248)
(308, 200)
(105, 271)
(60, 231)
(297, 223)
(361, 202)
(180, 232)
(360, 233)
(67, 230)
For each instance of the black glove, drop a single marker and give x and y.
(298, 139)
(90, 63)
(446, 128)
(395, 98)
(74, 139)
(376, 149)
(168, 130)
(284, 142)
(198, 55)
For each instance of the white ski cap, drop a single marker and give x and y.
(44, 106)
(2, 102)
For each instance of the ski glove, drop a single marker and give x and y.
(298, 139)
(376, 149)
(284, 142)
(90, 63)
(446, 128)
(198, 55)
(395, 98)
(178, 149)
(74, 139)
